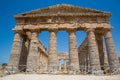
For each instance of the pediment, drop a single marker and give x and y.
(62, 9)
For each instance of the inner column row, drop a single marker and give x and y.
(73, 52)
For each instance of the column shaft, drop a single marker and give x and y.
(93, 51)
(100, 50)
(106, 64)
(15, 53)
(52, 56)
(24, 54)
(87, 58)
(73, 51)
(33, 53)
(65, 65)
(111, 52)
(60, 65)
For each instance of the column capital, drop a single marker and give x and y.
(35, 33)
(34, 36)
(71, 30)
(17, 37)
(89, 30)
(107, 30)
(29, 34)
(98, 36)
(107, 34)
(53, 30)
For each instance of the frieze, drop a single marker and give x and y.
(61, 26)
(61, 19)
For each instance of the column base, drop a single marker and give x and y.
(31, 70)
(115, 71)
(53, 70)
(74, 72)
(12, 69)
(97, 72)
(65, 71)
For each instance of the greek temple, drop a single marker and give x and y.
(96, 54)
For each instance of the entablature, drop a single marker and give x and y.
(62, 19)
(62, 26)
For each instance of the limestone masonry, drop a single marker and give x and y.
(92, 56)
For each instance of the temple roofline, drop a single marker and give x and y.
(51, 9)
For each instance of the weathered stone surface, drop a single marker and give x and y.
(63, 26)
(93, 51)
(71, 19)
(32, 56)
(75, 13)
(111, 52)
(15, 53)
(106, 63)
(52, 55)
(24, 54)
(42, 61)
(99, 41)
(73, 51)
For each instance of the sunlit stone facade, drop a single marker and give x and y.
(28, 53)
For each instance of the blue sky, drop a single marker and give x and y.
(9, 8)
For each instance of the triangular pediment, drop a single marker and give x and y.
(61, 8)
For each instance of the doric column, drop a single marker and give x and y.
(88, 61)
(111, 52)
(41, 61)
(80, 60)
(93, 52)
(73, 51)
(15, 53)
(46, 62)
(24, 53)
(65, 65)
(100, 49)
(85, 61)
(106, 64)
(60, 65)
(52, 55)
(33, 53)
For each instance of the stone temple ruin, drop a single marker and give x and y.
(92, 56)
